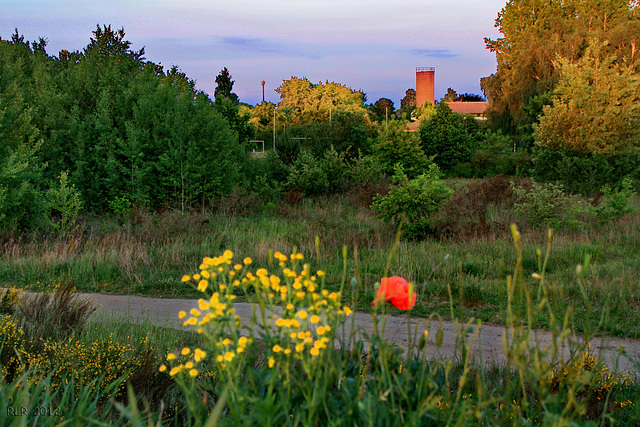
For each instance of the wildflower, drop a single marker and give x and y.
(162, 368)
(277, 348)
(272, 361)
(186, 351)
(347, 310)
(193, 373)
(186, 278)
(202, 285)
(247, 261)
(314, 319)
(396, 291)
(199, 355)
(182, 314)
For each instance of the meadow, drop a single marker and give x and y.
(566, 281)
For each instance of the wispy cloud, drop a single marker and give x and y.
(271, 46)
(434, 53)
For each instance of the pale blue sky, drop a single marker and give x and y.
(372, 45)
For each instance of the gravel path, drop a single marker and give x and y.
(488, 348)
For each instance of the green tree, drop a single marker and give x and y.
(396, 146)
(382, 109)
(407, 104)
(318, 102)
(535, 32)
(447, 137)
(225, 86)
(596, 105)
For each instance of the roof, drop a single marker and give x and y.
(476, 107)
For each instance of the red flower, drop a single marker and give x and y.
(396, 291)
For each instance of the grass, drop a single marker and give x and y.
(148, 253)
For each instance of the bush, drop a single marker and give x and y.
(584, 173)
(548, 205)
(446, 136)
(396, 146)
(616, 202)
(365, 170)
(416, 201)
(308, 175)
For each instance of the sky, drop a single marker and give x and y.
(371, 45)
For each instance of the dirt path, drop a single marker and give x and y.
(488, 348)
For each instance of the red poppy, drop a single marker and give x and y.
(396, 291)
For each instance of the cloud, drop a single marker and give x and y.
(434, 53)
(271, 47)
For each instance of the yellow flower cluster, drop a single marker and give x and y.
(307, 314)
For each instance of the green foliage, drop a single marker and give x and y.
(119, 126)
(548, 205)
(22, 202)
(415, 201)
(616, 203)
(347, 133)
(310, 102)
(535, 33)
(448, 137)
(585, 173)
(596, 107)
(120, 206)
(365, 169)
(224, 86)
(397, 146)
(65, 202)
(308, 175)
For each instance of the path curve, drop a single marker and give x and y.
(488, 348)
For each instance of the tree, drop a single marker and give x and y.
(107, 42)
(407, 104)
(396, 146)
(317, 102)
(536, 32)
(446, 136)
(450, 96)
(596, 105)
(382, 109)
(225, 86)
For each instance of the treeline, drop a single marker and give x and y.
(104, 125)
(567, 88)
(104, 129)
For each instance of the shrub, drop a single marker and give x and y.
(308, 175)
(365, 170)
(616, 202)
(396, 146)
(465, 214)
(56, 316)
(548, 205)
(416, 200)
(65, 202)
(446, 136)
(584, 173)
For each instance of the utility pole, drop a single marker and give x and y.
(263, 82)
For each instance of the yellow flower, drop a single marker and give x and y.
(247, 261)
(162, 368)
(182, 314)
(277, 348)
(219, 359)
(193, 373)
(272, 362)
(175, 371)
(321, 330)
(237, 267)
(186, 351)
(194, 312)
(205, 273)
(347, 310)
(186, 278)
(229, 355)
(243, 341)
(199, 355)
(314, 319)
(196, 277)
(314, 351)
(171, 356)
(188, 365)
(302, 314)
(227, 254)
(202, 285)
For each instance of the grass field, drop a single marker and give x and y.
(147, 253)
